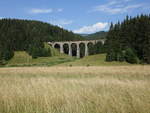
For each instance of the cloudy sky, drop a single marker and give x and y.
(79, 16)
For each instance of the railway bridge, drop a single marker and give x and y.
(77, 43)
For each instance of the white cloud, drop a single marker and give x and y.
(59, 10)
(44, 11)
(92, 29)
(61, 22)
(116, 7)
(40, 11)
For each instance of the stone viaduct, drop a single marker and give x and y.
(77, 43)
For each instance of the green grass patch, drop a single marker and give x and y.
(21, 58)
(94, 60)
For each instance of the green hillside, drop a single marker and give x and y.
(94, 36)
(94, 60)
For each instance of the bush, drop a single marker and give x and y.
(1, 59)
(7, 54)
(45, 52)
(36, 52)
(121, 56)
(87, 65)
(108, 57)
(111, 56)
(70, 65)
(131, 57)
(128, 55)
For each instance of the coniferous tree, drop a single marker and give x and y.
(133, 33)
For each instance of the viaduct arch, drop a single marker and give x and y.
(69, 43)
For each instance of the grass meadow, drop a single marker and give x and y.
(106, 89)
(22, 59)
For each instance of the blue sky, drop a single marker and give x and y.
(79, 16)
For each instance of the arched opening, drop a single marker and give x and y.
(57, 46)
(91, 48)
(82, 50)
(66, 48)
(74, 49)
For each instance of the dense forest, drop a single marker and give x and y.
(129, 40)
(27, 35)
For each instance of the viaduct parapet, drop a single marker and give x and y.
(77, 43)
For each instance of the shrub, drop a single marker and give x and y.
(36, 52)
(88, 65)
(121, 56)
(108, 57)
(7, 54)
(131, 57)
(45, 52)
(111, 56)
(1, 59)
(70, 65)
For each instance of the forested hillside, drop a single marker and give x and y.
(18, 35)
(95, 36)
(129, 40)
(15, 31)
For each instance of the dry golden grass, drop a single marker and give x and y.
(119, 89)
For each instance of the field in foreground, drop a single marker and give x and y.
(119, 89)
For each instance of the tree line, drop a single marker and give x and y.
(129, 40)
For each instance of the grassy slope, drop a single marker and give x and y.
(94, 60)
(21, 58)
